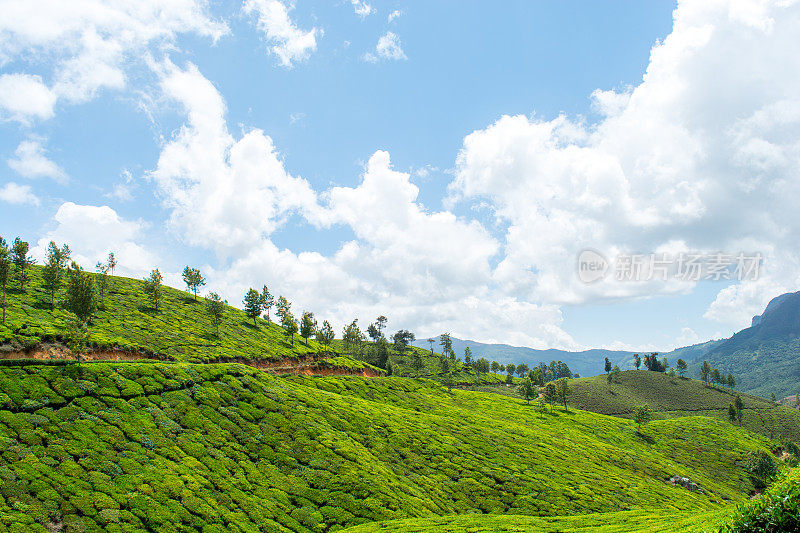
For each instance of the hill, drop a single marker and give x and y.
(766, 356)
(125, 327)
(670, 397)
(148, 446)
(585, 363)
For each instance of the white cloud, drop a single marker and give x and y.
(388, 47)
(90, 43)
(92, 232)
(287, 41)
(123, 190)
(23, 96)
(362, 9)
(30, 161)
(224, 194)
(14, 193)
(393, 15)
(702, 155)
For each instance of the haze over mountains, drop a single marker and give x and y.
(765, 357)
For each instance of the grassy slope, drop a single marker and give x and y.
(178, 447)
(619, 522)
(181, 330)
(777, 510)
(673, 397)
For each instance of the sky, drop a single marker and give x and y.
(458, 167)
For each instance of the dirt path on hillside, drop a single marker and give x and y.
(307, 365)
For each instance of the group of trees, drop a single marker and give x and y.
(736, 410)
(713, 375)
(557, 391)
(59, 274)
(650, 360)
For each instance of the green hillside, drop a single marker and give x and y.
(777, 510)
(181, 330)
(671, 397)
(225, 447)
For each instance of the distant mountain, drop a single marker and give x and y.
(585, 363)
(765, 357)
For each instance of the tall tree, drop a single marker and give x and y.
(563, 390)
(402, 340)
(6, 270)
(637, 361)
(101, 269)
(289, 324)
(731, 412)
(282, 308)
(550, 394)
(716, 377)
(522, 369)
(380, 323)
(55, 269)
(416, 362)
(325, 334)
(739, 405)
(731, 381)
(308, 324)
(607, 366)
(527, 390)
(19, 255)
(446, 343)
(681, 367)
(373, 332)
(252, 305)
(215, 307)
(538, 376)
(705, 370)
(642, 415)
(430, 343)
(353, 339)
(467, 356)
(511, 368)
(80, 298)
(111, 262)
(153, 288)
(495, 366)
(193, 280)
(267, 300)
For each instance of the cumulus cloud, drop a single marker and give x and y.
(362, 9)
(702, 155)
(90, 43)
(30, 161)
(14, 193)
(24, 97)
(94, 231)
(223, 193)
(388, 47)
(289, 43)
(393, 15)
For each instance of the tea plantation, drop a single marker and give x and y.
(129, 447)
(671, 397)
(181, 330)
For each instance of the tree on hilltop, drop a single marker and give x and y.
(6, 271)
(563, 390)
(716, 377)
(402, 340)
(267, 301)
(607, 366)
(289, 324)
(681, 366)
(54, 270)
(325, 334)
(80, 297)
(252, 305)
(446, 342)
(308, 324)
(193, 280)
(352, 338)
(467, 356)
(111, 262)
(637, 361)
(705, 370)
(101, 269)
(153, 288)
(215, 307)
(373, 332)
(642, 415)
(282, 308)
(522, 369)
(430, 343)
(21, 260)
(495, 366)
(731, 381)
(527, 390)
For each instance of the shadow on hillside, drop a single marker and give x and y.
(42, 305)
(249, 325)
(190, 300)
(646, 438)
(147, 310)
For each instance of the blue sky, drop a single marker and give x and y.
(442, 163)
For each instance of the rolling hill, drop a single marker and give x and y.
(150, 446)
